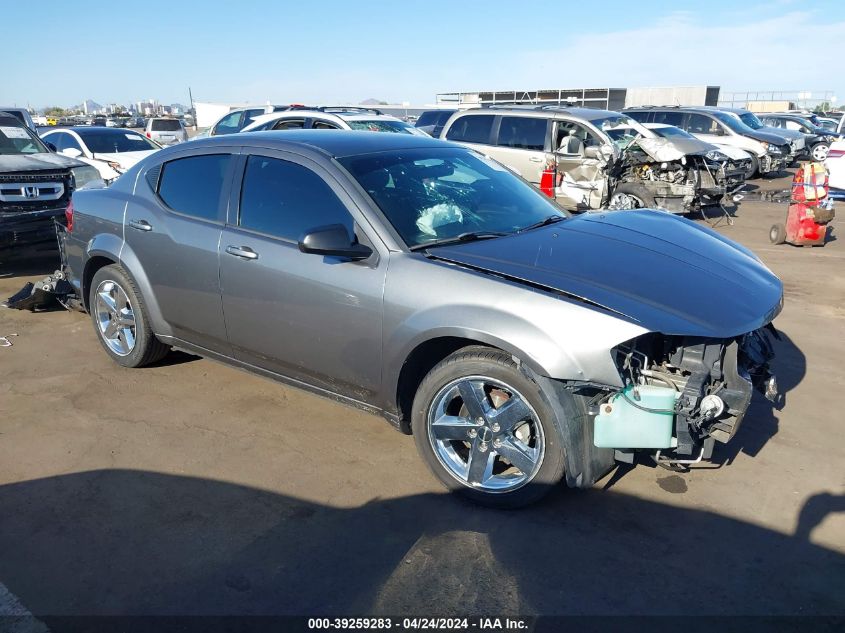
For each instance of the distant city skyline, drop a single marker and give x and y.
(285, 53)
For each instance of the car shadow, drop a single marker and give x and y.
(125, 542)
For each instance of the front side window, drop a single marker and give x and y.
(284, 200)
(700, 124)
(193, 185)
(471, 129)
(437, 194)
(323, 125)
(522, 133)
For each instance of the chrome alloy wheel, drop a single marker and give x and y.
(486, 434)
(115, 318)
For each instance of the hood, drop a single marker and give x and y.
(666, 149)
(783, 133)
(125, 159)
(662, 272)
(767, 137)
(36, 162)
(734, 153)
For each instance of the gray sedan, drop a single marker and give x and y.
(425, 282)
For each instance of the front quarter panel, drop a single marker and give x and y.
(558, 338)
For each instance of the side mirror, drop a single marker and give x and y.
(72, 152)
(332, 240)
(50, 146)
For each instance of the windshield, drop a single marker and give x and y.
(731, 122)
(103, 142)
(381, 125)
(622, 130)
(438, 194)
(20, 140)
(751, 120)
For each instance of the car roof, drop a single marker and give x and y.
(329, 116)
(335, 143)
(88, 128)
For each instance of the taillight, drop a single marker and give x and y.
(148, 135)
(69, 216)
(836, 153)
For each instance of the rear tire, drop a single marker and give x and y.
(504, 462)
(120, 319)
(777, 234)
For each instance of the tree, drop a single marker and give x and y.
(54, 111)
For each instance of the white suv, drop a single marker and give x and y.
(332, 118)
(165, 131)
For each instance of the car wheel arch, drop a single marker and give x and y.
(428, 353)
(94, 263)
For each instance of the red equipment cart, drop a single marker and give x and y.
(810, 211)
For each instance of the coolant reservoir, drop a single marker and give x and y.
(620, 424)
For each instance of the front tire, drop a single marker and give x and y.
(120, 319)
(629, 196)
(486, 431)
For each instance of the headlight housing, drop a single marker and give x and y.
(116, 166)
(773, 149)
(716, 155)
(82, 175)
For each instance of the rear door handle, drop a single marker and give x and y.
(141, 225)
(535, 159)
(244, 252)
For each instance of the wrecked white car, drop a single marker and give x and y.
(595, 159)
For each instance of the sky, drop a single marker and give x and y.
(344, 52)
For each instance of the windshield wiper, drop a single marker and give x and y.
(470, 236)
(545, 222)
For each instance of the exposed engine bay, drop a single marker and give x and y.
(707, 386)
(680, 183)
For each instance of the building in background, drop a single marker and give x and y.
(599, 98)
(780, 100)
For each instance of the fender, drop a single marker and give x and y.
(133, 266)
(547, 350)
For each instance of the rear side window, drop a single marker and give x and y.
(522, 133)
(471, 129)
(283, 199)
(165, 125)
(669, 118)
(193, 185)
(289, 124)
(639, 115)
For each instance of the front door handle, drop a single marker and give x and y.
(535, 159)
(244, 252)
(141, 225)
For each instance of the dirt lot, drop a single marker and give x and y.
(191, 487)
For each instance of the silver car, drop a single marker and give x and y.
(165, 131)
(425, 282)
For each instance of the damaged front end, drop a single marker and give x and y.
(678, 182)
(685, 394)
